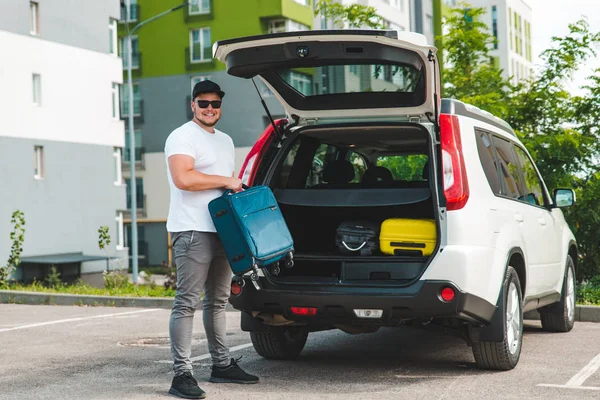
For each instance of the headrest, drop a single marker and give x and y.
(377, 174)
(338, 171)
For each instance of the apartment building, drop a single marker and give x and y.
(61, 134)
(169, 56)
(509, 21)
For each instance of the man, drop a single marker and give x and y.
(200, 166)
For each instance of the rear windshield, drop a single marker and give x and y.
(337, 79)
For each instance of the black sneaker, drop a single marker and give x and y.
(186, 387)
(231, 374)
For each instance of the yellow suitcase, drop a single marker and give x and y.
(403, 236)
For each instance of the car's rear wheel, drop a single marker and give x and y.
(560, 317)
(279, 343)
(505, 355)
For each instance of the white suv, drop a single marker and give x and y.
(367, 138)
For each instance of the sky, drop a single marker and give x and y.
(552, 17)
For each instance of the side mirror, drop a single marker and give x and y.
(563, 197)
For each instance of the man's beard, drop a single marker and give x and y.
(206, 123)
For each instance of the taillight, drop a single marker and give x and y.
(456, 185)
(250, 166)
(308, 311)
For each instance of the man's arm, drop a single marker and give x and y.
(185, 177)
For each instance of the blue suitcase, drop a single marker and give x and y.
(252, 230)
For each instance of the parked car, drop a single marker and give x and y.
(368, 138)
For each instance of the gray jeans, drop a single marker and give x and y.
(201, 264)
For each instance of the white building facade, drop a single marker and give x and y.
(61, 135)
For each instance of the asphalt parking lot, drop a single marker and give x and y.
(64, 352)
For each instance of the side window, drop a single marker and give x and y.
(509, 169)
(486, 156)
(534, 193)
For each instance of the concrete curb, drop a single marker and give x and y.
(61, 299)
(582, 313)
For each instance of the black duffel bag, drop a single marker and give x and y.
(357, 238)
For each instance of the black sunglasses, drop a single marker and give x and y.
(213, 103)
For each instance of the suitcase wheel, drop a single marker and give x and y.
(289, 260)
(239, 280)
(275, 270)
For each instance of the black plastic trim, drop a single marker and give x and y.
(490, 332)
(421, 300)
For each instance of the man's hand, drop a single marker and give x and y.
(234, 184)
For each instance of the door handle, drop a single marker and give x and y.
(519, 217)
(542, 221)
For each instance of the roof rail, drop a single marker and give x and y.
(457, 107)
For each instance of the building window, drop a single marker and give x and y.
(199, 7)
(139, 193)
(428, 24)
(196, 79)
(303, 2)
(34, 18)
(118, 171)
(495, 26)
(112, 36)
(38, 162)
(285, 25)
(300, 82)
(200, 45)
(137, 156)
(130, 12)
(137, 100)
(36, 80)
(511, 28)
(135, 54)
(399, 4)
(120, 236)
(115, 100)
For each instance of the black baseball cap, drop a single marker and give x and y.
(207, 86)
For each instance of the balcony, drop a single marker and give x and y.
(288, 9)
(138, 107)
(136, 61)
(139, 158)
(134, 14)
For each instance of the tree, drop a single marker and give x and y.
(560, 130)
(355, 15)
(470, 73)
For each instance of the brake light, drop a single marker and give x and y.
(447, 294)
(456, 186)
(250, 166)
(308, 311)
(236, 289)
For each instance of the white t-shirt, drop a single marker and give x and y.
(213, 154)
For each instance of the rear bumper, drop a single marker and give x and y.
(336, 304)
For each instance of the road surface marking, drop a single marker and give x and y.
(205, 356)
(576, 381)
(62, 321)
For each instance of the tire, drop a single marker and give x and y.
(505, 355)
(279, 343)
(560, 317)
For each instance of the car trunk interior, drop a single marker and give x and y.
(329, 175)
